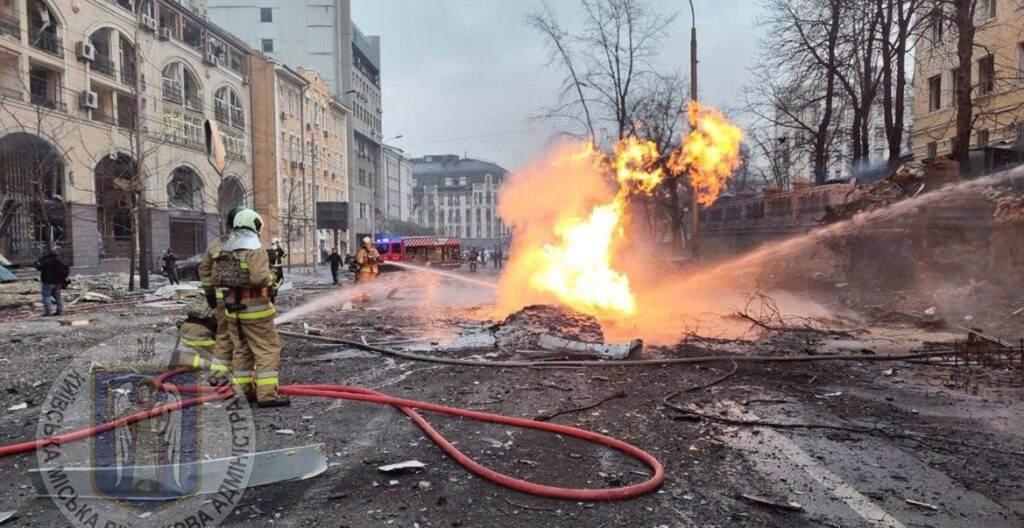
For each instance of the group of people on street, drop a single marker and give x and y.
(494, 255)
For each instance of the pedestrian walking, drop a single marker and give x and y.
(335, 260)
(53, 275)
(171, 266)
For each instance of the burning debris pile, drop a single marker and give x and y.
(522, 330)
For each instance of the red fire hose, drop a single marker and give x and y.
(408, 407)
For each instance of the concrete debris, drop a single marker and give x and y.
(75, 322)
(906, 182)
(94, 297)
(285, 431)
(7, 516)
(784, 505)
(1009, 209)
(522, 329)
(402, 466)
(1018, 311)
(599, 350)
(313, 330)
(423, 485)
(19, 407)
(177, 291)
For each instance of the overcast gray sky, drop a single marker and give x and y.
(468, 68)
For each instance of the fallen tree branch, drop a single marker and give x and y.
(694, 415)
(546, 417)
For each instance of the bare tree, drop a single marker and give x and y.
(799, 70)
(608, 63)
(613, 82)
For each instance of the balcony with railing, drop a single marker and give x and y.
(194, 102)
(103, 65)
(10, 25)
(238, 117)
(173, 90)
(221, 113)
(44, 40)
(128, 73)
(48, 101)
(104, 115)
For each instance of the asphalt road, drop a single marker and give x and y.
(955, 464)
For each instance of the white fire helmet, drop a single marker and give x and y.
(275, 241)
(366, 240)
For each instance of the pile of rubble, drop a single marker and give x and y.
(1008, 208)
(906, 182)
(522, 330)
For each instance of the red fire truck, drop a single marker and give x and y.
(437, 252)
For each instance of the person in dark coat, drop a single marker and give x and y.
(335, 260)
(53, 274)
(171, 266)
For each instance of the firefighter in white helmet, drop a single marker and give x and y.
(243, 269)
(222, 349)
(368, 263)
(368, 259)
(276, 255)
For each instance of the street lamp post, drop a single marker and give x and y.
(382, 177)
(694, 206)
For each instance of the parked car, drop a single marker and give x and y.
(189, 269)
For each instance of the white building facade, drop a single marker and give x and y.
(458, 197)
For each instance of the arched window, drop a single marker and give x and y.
(113, 207)
(180, 85)
(31, 189)
(185, 189)
(230, 194)
(227, 106)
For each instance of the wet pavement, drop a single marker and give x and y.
(959, 462)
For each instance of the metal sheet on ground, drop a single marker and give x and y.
(269, 467)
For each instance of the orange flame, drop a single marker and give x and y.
(569, 218)
(710, 153)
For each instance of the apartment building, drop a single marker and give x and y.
(90, 91)
(322, 36)
(997, 81)
(305, 158)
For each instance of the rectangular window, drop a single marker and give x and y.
(986, 75)
(1020, 64)
(983, 138)
(266, 14)
(267, 45)
(935, 93)
(955, 76)
(936, 23)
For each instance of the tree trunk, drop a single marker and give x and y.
(821, 139)
(963, 19)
